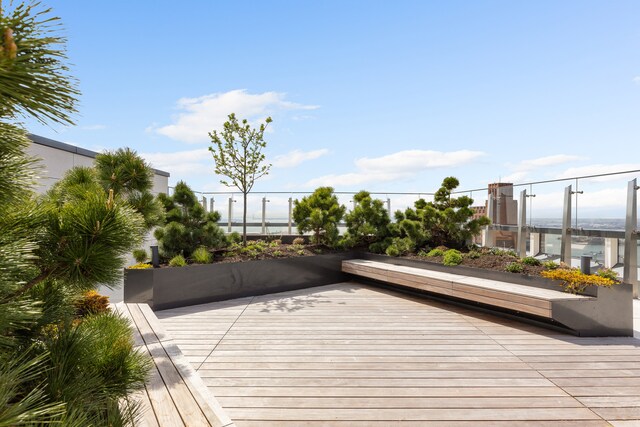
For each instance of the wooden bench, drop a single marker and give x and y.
(174, 394)
(514, 297)
(521, 298)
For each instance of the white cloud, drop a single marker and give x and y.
(296, 157)
(541, 162)
(199, 116)
(182, 162)
(601, 169)
(521, 170)
(636, 80)
(395, 166)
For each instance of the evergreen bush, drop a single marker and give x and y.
(320, 213)
(452, 257)
(188, 225)
(367, 223)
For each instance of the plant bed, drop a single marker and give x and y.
(164, 288)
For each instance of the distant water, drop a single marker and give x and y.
(587, 223)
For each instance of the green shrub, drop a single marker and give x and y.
(514, 267)
(503, 252)
(550, 265)
(399, 246)
(177, 261)
(275, 243)
(234, 237)
(435, 252)
(140, 255)
(278, 253)
(367, 223)
(188, 225)
(320, 213)
(201, 255)
(473, 254)
(393, 251)
(445, 221)
(529, 260)
(452, 257)
(608, 273)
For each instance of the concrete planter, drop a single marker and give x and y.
(608, 313)
(164, 288)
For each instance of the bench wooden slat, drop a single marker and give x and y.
(174, 394)
(200, 392)
(162, 406)
(180, 393)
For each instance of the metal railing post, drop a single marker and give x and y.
(389, 206)
(211, 205)
(534, 243)
(630, 269)
(488, 234)
(565, 242)
(289, 221)
(230, 213)
(610, 252)
(522, 224)
(264, 215)
(204, 203)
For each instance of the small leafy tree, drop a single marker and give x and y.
(367, 223)
(188, 225)
(320, 213)
(127, 174)
(444, 222)
(237, 153)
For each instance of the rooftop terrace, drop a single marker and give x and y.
(349, 354)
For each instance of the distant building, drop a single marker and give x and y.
(505, 212)
(56, 158)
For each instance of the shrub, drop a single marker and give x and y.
(529, 260)
(234, 237)
(473, 254)
(367, 223)
(393, 251)
(298, 241)
(140, 266)
(278, 253)
(550, 265)
(514, 267)
(574, 281)
(188, 225)
(177, 261)
(503, 252)
(445, 221)
(275, 243)
(320, 213)
(140, 255)
(608, 274)
(452, 257)
(201, 255)
(91, 302)
(435, 252)
(399, 246)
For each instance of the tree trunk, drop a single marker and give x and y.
(244, 219)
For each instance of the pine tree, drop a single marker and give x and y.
(320, 212)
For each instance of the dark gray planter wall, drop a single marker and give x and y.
(164, 288)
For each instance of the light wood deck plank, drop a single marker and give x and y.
(351, 355)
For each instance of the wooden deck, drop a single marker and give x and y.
(351, 355)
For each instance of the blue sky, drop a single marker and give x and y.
(376, 95)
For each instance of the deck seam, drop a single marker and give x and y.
(536, 370)
(225, 334)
